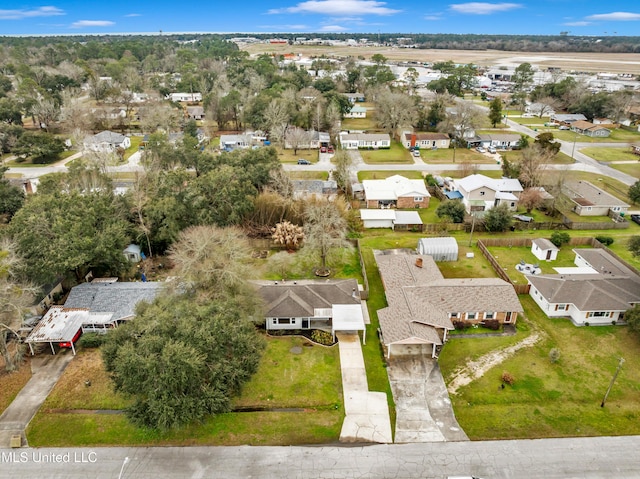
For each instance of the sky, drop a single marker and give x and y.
(536, 17)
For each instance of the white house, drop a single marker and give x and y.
(394, 219)
(481, 193)
(107, 141)
(189, 97)
(544, 250)
(354, 141)
(356, 111)
(589, 200)
(397, 192)
(598, 291)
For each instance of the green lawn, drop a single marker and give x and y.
(610, 185)
(28, 164)
(368, 124)
(381, 175)
(397, 154)
(301, 264)
(308, 175)
(283, 381)
(288, 156)
(613, 155)
(550, 399)
(463, 155)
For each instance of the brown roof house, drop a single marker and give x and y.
(329, 305)
(597, 291)
(425, 140)
(589, 200)
(423, 305)
(589, 129)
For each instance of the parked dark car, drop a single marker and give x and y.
(302, 161)
(635, 219)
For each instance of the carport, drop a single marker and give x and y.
(346, 318)
(59, 325)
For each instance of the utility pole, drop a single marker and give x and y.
(473, 225)
(613, 379)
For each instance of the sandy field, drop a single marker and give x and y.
(587, 62)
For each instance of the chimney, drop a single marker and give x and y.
(353, 293)
(419, 262)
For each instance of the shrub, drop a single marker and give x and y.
(461, 325)
(507, 378)
(492, 324)
(92, 340)
(554, 355)
(322, 337)
(605, 240)
(559, 238)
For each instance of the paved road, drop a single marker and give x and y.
(588, 458)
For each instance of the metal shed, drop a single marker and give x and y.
(441, 249)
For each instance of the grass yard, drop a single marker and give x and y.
(381, 175)
(397, 154)
(301, 264)
(367, 124)
(135, 146)
(462, 155)
(632, 169)
(551, 399)
(308, 175)
(610, 154)
(283, 381)
(610, 185)
(12, 383)
(287, 155)
(29, 164)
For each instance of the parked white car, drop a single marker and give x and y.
(491, 150)
(480, 149)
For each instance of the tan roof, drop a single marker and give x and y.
(420, 299)
(426, 136)
(545, 244)
(587, 194)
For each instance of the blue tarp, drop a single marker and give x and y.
(453, 195)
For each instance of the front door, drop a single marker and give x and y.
(305, 323)
(548, 254)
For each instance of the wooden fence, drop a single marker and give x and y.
(365, 280)
(519, 288)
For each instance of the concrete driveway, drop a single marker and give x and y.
(423, 407)
(46, 370)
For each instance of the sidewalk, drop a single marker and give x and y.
(367, 413)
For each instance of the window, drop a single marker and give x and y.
(598, 314)
(561, 307)
(482, 193)
(489, 315)
(471, 315)
(453, 315)
(513, 204)
(285, 321)
(418, 199)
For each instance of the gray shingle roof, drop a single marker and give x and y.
(545, 244)
(117, 298)
(420, 299)
(284, 300)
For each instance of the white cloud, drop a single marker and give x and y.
(616, 17)
(284, 28)
(577, 24)
(92, 23)
(482, 8)
(338, 8)
(433, 17)
(38, 12)
(333, 28)
(133, 15)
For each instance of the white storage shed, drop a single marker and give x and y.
(441, 249)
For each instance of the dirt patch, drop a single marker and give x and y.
(12, 383)
(476, 369)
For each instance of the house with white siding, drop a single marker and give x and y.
(372, 141)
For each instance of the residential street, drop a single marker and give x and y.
(584, 458)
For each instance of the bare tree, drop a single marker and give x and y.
(277, 117)
(332, 118)
(281, 183)
(395, 111)
(325, 229)
(344, 170)
(46, 111)
(15, 299)
(297, 138)
(212, 260)
(547, 105)
(464, 118)
(531, 198)
(533, 165)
